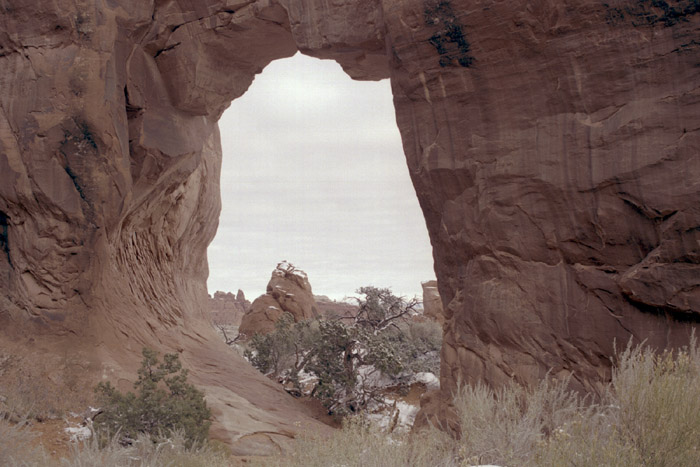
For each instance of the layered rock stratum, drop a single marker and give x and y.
(553, 146)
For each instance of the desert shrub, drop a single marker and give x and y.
(348, 359)
(507, 425)
(17, 447)
(588, 438)
(25, 392)
(649, 416)
(657, 397)
(417, 343)
(361, 444)
(175, 451)
(164, 402)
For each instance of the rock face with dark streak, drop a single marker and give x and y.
(554, 148)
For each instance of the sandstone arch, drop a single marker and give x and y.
(553, 147)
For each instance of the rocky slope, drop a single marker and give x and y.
(553, 146)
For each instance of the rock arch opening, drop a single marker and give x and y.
(313, 172)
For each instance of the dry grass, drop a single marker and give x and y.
(17, 447)
(145, 453)
(650, 416)
(36, 390)
(360, 444)
(509, 425)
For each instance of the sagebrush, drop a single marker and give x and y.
(649, 415)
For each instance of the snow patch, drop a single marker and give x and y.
(397, 415)
(300, 274)
(368, 375)
(284, 268)
(407, 414)
(78, 433)
(429, 379)
(305, 377)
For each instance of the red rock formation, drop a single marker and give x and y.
(109, 167)
(432, 303)
(332, 309)
(553, 146)
(288, 291)
(226, 308)
(554, 150)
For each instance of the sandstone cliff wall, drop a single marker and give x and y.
(109, 159)
(553, 146)
(554, 149)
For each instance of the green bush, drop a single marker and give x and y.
(417, 343)
(285, 349)
(346, 358)
(332, 351)
(164, 402)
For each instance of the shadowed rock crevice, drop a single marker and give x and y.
(4, 238)
(651, 12)
(449, 39)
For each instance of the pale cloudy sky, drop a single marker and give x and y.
(314, 173)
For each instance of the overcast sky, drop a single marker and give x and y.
(314, 173)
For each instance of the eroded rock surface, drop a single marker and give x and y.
(432, 303)
(288, 291)
(553, 146)
(109, 192)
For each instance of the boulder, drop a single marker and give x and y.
(288, 291)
